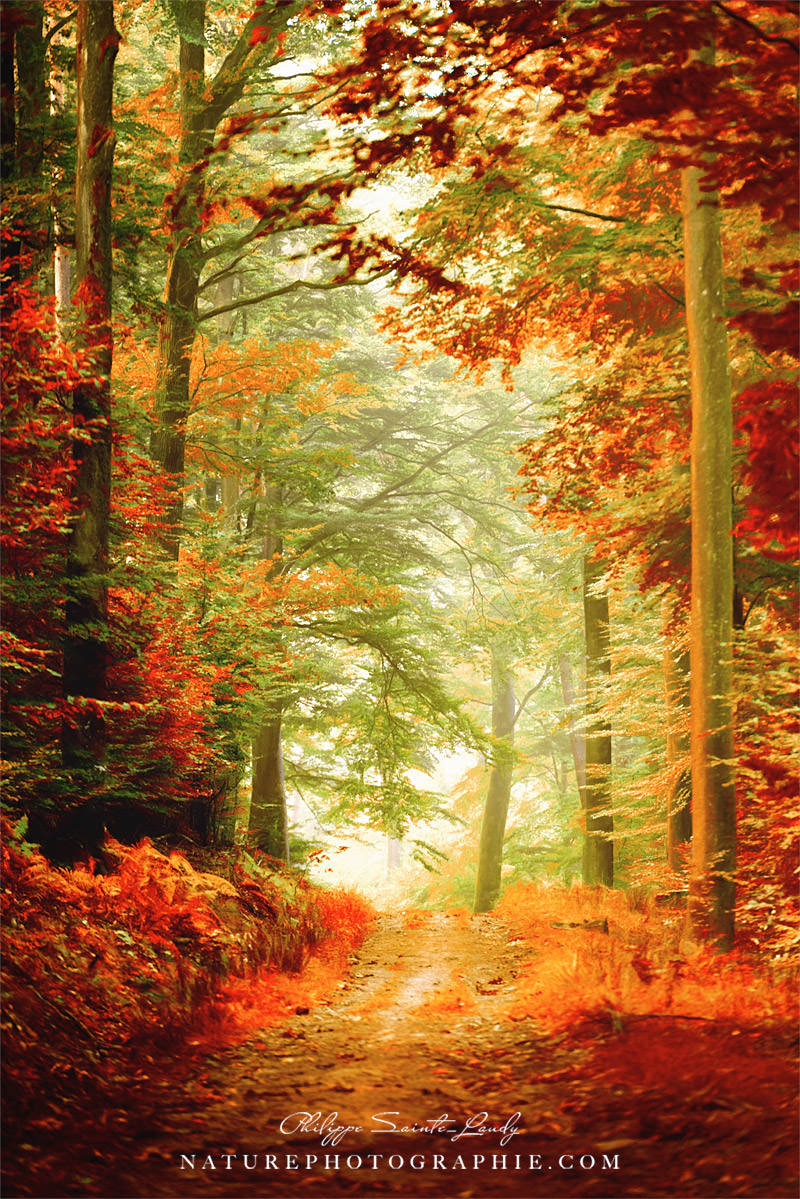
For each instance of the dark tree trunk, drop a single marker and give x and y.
(598, 854)
(8, 112)
(495, 813)
(168, 442)
(85, 642)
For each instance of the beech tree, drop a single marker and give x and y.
(86, 631)
(598, 859)
(711, 654)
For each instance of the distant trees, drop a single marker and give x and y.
(659, 106)
(325, 507)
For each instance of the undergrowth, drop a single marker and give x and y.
(107, 965)
(636, 968)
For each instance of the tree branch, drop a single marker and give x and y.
(59, 25)
(228, 84)
(263, 296)
(528, 695)
(596, 216)
(764, 37)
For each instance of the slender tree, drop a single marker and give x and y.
(204, 102)
(676, 703)
(85, 642)
(495, 813)
(598, 854)
(712, 888)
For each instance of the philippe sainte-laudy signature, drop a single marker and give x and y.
(331, 1131)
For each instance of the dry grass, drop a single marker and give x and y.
(636, 968)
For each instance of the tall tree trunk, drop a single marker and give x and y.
(9, 246)
(712, 885)
(32, 98)
(204, 102)
(495, 813)
(24, 119)
(598, 852)
(62, 264)
(8, 110)
(230, 480)
(269, 825)
(168, 441)
(676, 699)
(394, 855)
(85, 641)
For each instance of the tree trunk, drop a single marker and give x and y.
(85, 640)
(269, 825)
(493, 826)
(168, 441)
(203, 105)
(676, 698)
(62, 264)
(8, 110)
(61, 284)
(9, 246)
(32, 98)
(394, 855)
(712, 884)
(598, 852)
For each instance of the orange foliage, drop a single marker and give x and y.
(416, 918)
(135, 948)
(636, 968)
(245, 1004)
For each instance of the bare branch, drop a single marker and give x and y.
(263, 296)
(751, 25)
(528, 694)
(596, 216)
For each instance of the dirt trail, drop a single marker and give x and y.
(419, 1037)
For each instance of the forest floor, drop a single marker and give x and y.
(416, 1079)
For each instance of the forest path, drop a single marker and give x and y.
(419, 1034)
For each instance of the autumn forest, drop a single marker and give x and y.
(400, 538)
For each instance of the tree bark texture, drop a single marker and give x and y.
(676, 701)
(184, 266)
(32, 97)
(712, 885)
(598, 851)
(85, 643)
(268, 819)
(495, 813)
(269, 825)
